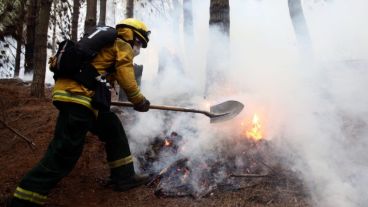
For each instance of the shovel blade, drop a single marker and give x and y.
(225, 111)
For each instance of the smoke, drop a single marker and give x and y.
(313, 109)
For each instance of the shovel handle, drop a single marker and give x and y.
(161, 107)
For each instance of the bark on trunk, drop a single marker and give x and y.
(19, 39)
(300, 26)
(165, 56)
(129, 9)
(188, 29)
(75, 18)
(53, 20)
(175, 18)
(112, 13)
(188, 17)
(90, 21)
(102, 19)
(17, 58)
(220, 15)
(38, 82)
(218, 51)
(30, 36)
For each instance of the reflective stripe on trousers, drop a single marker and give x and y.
(30, 196)
(121, 162)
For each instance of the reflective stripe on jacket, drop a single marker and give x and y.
(65, 96)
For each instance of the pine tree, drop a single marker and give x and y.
(38, 82)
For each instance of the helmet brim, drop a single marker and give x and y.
(141, 34)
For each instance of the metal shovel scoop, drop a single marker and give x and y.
(219, 112)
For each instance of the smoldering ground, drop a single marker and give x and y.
(313, 110)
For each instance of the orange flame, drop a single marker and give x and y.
(255, 132)
(167, 143)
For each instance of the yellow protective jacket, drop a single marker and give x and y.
(119, 54)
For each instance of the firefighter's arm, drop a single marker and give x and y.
(124, 74)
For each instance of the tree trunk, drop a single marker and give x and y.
(165, 56)
(38, 82)
(175, 19)
(17, 57)
(188, 17)
(220, 15)
(189, 44)
(218, 51)
(102, 19)
(53, 20)
(19, 39)
(90, 21)
(300, 26)
(113, 12)
(30, 36)
(75, 18)
(129, 9)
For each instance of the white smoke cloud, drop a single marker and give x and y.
(314, 110)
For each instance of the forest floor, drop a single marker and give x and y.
(35, 120)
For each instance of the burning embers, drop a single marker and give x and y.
(197, 176)
(254, 129)
(234, 163)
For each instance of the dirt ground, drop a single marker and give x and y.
(35, 119)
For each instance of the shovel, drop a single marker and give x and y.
(218, 113)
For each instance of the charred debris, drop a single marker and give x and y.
(243, 164)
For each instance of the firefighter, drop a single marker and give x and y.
(77, 117)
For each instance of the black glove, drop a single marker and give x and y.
(143, 106)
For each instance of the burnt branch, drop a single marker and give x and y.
(269, 167)
(165, 170)
(29, 141)
(249, 175)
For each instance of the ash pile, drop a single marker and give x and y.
(235, 164)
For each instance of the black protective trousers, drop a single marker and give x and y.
(73, 123)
